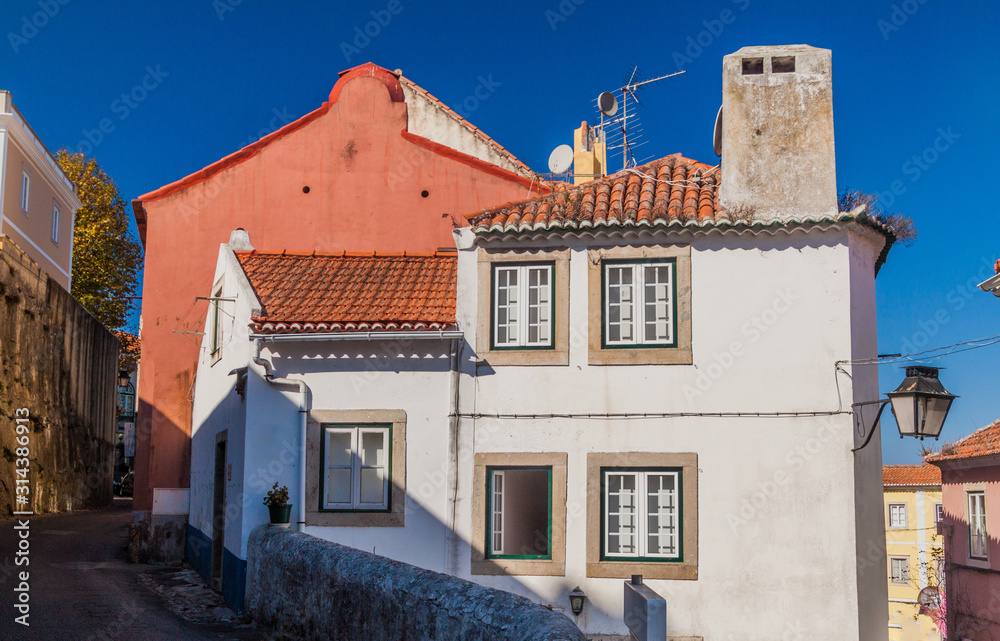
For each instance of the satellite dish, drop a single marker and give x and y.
(607, 103)
(717, 137)
(930, 598)
(560, 159)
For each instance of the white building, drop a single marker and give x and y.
(638, 375)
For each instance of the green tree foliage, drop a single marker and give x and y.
(106, 261)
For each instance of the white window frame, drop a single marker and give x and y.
(25, 191)
(895, 525)
(979, 541)
(518, 337)
(903, 563)
(938, 512)
(357, 432)
(56, 215)
(496, 511)
(638, 303)
(641, 514)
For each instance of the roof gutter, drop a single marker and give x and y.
(360, 336)
(991, 284)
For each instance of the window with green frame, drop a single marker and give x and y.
(519, 512)
(216, 303)
(356, 469)
(639, 303)
(641, 517)
(523, 306)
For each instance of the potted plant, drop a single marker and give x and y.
(278, 505)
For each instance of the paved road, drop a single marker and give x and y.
(81, 587)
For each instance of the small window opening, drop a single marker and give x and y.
(305, 190)
(783, 64)
(425, 194)
(520, 512)
(753, 66)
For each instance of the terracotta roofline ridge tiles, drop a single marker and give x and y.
(982, 443)
(673, 187)
(468, 125)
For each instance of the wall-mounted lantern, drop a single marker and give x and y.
(920, 404)
(123, 378)
(576, 599)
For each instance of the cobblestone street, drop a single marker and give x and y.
(82, 589)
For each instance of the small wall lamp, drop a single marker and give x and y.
(576, 599)
(123, 378)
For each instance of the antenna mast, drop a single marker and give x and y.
(628, 90)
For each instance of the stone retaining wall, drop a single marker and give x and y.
(304, 588)
(58, 362)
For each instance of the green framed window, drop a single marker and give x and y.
(519, 512)
(641, 518)
(355, 467)
(639, 303)
(522, 306)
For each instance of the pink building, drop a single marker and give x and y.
(382, 165)
(970, 477)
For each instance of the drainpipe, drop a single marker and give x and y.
(451, 558)
(304, 398)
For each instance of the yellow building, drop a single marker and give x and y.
(914, 549)
(37, 200)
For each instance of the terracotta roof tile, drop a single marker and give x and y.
(310, 292)
(910, 475)
(983, 442)
(670, 188)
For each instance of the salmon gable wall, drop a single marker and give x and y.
(365, 179)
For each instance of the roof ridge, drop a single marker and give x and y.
(273, 253)
(468, 125)
(571, 191)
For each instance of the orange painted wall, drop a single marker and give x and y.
(365, 177)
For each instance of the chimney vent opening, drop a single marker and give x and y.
(753, 66)
(783, 64)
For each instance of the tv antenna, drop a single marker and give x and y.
(622, 112)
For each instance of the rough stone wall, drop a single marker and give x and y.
(60, 363)
(301, 587)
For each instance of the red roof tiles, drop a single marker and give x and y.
(670, 188)
(983, 442)
(910, 475)
(311, 292)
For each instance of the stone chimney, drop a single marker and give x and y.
(777, 133)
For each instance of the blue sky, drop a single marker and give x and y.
(179, 85)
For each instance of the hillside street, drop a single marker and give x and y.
(81, 588)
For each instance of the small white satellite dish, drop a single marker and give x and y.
(560, 159)
(607, 103)
(717, 136)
